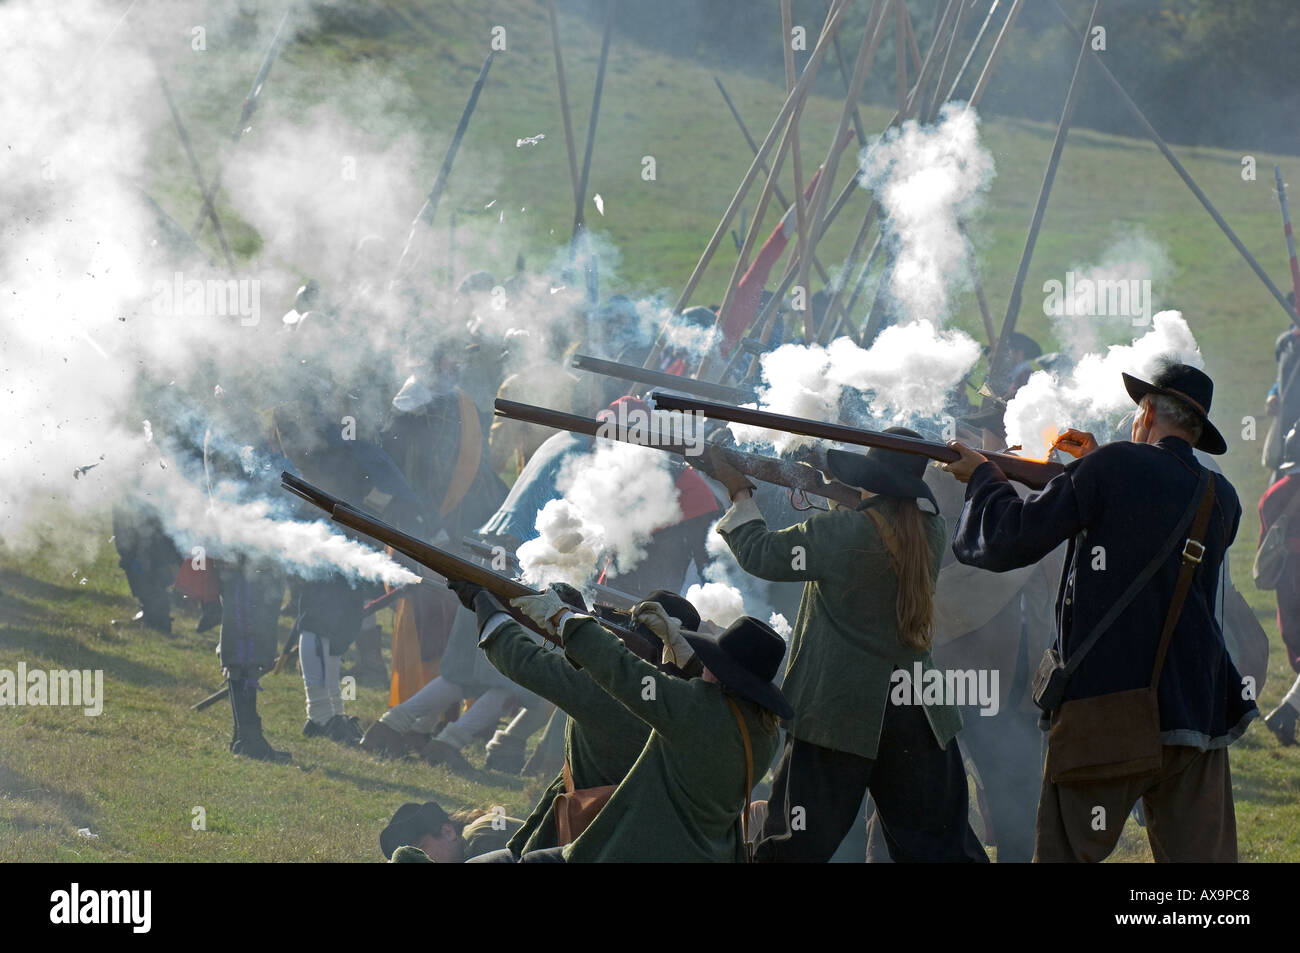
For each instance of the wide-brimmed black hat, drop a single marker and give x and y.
(745, 658)
(1189, 386)
(410, 822)
(677, 607)
(884, 472)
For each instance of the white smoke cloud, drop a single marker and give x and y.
(1092, 395)
(716, 602)
(907, 373)
(613, 500)
(928, 179)
(781, 626)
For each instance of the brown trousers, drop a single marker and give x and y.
(1187, 805)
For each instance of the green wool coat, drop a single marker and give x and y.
(845, 645)
(682, 800)
(602, 740)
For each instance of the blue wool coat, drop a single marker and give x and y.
(1115, 507)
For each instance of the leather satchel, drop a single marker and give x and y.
(1117, 735)
(576, 809)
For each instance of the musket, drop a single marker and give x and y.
(1034, 474)
(645, 375)
(792, 474)
(443, 563)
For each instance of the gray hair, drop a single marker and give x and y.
(1176, 415)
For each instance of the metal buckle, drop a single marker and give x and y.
(1193, 557)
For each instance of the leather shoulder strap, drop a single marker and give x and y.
(568, 777)
(749, 765)
(1193, 550)
(1166, 549)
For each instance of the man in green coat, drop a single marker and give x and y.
(860, 722)
(684, 798)
(603, 738)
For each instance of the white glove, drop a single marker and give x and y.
(655, 618)
(541, 609)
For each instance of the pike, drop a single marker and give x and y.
(1183, 174)
(245, 114)
(646, 375)
(441, 562)
(430, 206)
(1286, 230)
(1034, 474)
(792, 474)
(183, 134)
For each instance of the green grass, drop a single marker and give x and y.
(133, 775)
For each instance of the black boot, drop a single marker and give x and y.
(344, 729)
(248, 739)
(1282, 722)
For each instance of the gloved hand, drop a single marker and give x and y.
(569, 595)
(669, 631)
(486, 606)
(542, 609)
(465, 591)
(713, 462)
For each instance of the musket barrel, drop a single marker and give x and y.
(787, 473)
(440, 561)
(645, 375)
(1032, 473)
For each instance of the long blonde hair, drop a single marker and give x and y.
(909, 547)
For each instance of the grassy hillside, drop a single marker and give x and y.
(133, 775)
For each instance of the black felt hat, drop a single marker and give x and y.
(410, 822)
(1189, 386)
(745, 658)
(677, 607)
(884, 472)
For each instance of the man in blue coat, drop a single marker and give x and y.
(1115, 505)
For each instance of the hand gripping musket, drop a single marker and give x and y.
(646, 375)
(787, 473)
(1034, 474)
(442, 562)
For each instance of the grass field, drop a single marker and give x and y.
(133, 775)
